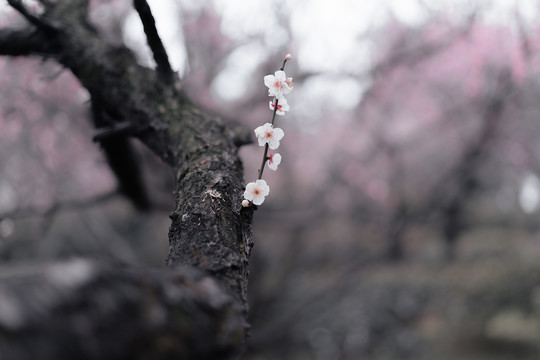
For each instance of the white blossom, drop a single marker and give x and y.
(278, 84)
(256, 191)
(245, 203)
(266, 134)
(289, 83)
(281, 107)
(274, 160)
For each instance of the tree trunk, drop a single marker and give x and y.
(195, 309)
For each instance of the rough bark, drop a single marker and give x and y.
(210, 232)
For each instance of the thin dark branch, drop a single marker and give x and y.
(22, 42)
(154, 41)
(103, 133)
(59, 206)
(46, 2)
(34, 20)
(121, 156)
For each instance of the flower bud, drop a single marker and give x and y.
(245, 203)
(288, 57)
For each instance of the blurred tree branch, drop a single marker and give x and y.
(464, 174)
(59, 206)
(154, 41)
(92, 310)
(122, 158)
(41, 23)
(23, 42)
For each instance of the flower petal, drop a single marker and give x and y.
(248, 194)
(269, 80)
(278, 134)
(259, 131)
(277, 159)
(280, 75)
(273, 144)
(263, 186)
(258, 200)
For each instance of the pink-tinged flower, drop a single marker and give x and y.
(256, 191)
(277, 84)
(281, 107)
(273, 161)
(289, 83)
(288, 57)
(266, 134)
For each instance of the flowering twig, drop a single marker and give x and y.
(278, 85)
(265, 156)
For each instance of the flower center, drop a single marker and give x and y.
(257, 192)
(269, 134)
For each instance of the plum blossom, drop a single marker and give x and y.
(281, 108)
(290, 83)
(274, 160)
(278, 84)
(256, 191)
(266, 134)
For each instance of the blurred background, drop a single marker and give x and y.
(403, 220)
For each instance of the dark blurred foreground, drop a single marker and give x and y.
(325, 301)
